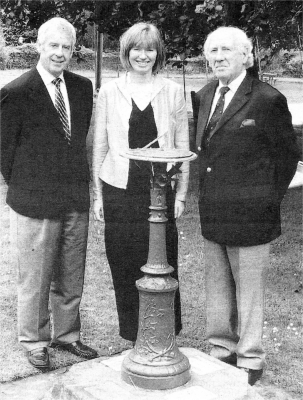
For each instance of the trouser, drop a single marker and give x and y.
(50, 257)
(235, 280)
(127, 244)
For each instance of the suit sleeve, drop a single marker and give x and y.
(100, 143)
(283, 144)
(90, 96)
(11, 125)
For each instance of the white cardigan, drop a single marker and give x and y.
(113, 110)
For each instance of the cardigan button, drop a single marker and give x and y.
(208, 169)
(199, 148)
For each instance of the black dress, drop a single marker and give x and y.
(126, 213)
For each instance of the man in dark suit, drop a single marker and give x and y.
(45, 117)
(248, 156)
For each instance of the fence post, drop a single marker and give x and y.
(98, 58)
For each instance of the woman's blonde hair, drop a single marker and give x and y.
(147, 35)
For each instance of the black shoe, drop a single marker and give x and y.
(78, 348)
(254, 375)
(219, 353)
(231, 359)
(39, 358)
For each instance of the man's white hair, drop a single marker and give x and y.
(240, 37)
(54, 24)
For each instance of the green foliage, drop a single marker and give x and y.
(3, 52)
(291, 63)
(277, 24)
(26, 56)
(22, 18)
(184, 24)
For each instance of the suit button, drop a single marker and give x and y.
(208, 169)
(199, 148)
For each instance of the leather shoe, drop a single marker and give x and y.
(224, 355)
(78, 348)
(231, 359)
(39, 358)
(254, 375)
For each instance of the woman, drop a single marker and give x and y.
(131, 111)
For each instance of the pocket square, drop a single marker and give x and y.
(248, 122)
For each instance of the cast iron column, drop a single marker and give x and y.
(156, 362)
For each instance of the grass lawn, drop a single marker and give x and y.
(283, 332)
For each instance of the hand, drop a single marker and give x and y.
(179, 208)
(98, 210)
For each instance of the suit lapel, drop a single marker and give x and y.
(74, 101)
(204, 111)
(122, 86)
(42, 104)
(240, 98)
(158, 85)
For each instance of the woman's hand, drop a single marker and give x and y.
(179, 208)
(98, 210)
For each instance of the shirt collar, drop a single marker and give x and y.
(234, 85)
(46, 76)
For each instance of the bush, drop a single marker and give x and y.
(287, 63)
(3, 58)
(27, 56)
(24, 56)
(3, 52)
(291, 64)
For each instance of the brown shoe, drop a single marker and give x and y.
(78, 348)
(254, 375)
(39, 358)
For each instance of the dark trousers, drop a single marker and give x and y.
(127, 241)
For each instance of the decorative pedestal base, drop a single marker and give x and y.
(156, 362)
(156, 377)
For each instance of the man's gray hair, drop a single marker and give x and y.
(244, 42)
(56, 23)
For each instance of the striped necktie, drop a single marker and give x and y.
(217, 114)
(60, 107)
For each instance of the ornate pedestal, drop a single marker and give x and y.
(156, 362)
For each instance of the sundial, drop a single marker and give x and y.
(155, 362)
(159, 155)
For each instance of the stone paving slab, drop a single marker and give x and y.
(100, 379)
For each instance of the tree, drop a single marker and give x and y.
(184, 23)
(22, 18)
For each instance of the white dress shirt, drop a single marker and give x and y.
(48, 79)
(233, 87)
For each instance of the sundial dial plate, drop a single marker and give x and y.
(159, 155)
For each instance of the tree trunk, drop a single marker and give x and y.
(233, 15)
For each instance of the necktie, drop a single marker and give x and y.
(217, 114)
(60, 107)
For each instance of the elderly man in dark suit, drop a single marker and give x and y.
(45, 117)
(248, 156)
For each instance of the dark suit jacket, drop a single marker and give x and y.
(247, 166)
(46, 176)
